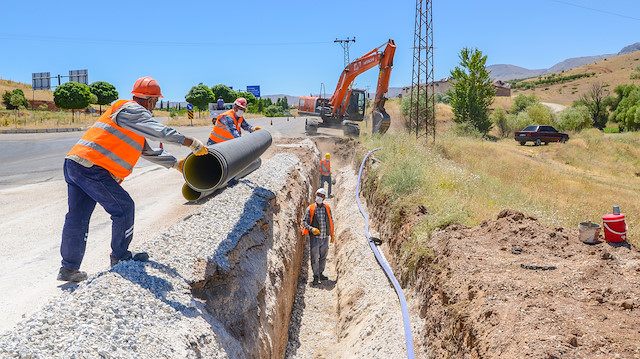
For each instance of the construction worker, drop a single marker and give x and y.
(325, 171)
(98, 163)
(228, 124)
(318, 224)
(220, 104)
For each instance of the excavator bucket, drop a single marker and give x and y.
(381, 121)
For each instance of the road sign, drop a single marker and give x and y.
(80, 76)
(190, 114)
(254, 90)
(189, 107)
(41, 81)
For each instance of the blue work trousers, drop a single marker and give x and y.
(88, 186)
(323, 179)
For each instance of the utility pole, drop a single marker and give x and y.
(422, 84)
(345, 45)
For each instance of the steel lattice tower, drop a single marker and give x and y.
(345, 46)
(422, 83)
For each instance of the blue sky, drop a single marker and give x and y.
(287, 47)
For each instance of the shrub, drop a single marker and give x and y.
(574, 119)
(540, 114)
(499, 119)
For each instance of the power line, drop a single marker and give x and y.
(150, 43)
(598, 10)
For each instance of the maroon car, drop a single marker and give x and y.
(539, 134)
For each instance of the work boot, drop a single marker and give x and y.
(323, 277)
(71, 275)
(316, 280)
(138, 257)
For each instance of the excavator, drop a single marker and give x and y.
(346, 106)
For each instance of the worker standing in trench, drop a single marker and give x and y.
(98, 163)
(318, 224)
(325, 172)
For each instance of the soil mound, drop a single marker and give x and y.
(512, 288)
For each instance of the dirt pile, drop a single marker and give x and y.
(512, 288)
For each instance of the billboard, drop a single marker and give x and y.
(81, 76)
(254, 90)
(41, 81)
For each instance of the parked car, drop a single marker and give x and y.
(539, 134)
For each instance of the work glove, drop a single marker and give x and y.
(257, 128)
(315, 231)
(198, 148)
(179, 165)
(333, 238)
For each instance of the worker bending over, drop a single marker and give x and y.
(325, 171)
(318, 224)
(228, 124)
(99, 162)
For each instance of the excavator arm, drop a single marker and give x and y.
(377, 56)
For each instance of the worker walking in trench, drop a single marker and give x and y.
(325, 172)
(229, 124)
(318, 224)
(98, 163)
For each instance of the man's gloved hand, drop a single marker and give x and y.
(333, 238)
(315, 231)
(179, 165)
(198, 148)
(257, 128)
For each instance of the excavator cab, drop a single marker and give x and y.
(355, 107)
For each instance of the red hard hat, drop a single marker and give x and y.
(240, 102)
(146, 87)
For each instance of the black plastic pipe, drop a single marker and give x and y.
(224, 161)
(191, 194)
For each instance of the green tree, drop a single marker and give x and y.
(72, 96)
(227, 94)
(273, 111)
(540, 114)
(472, 90)
(104, 91)
(627, 111)
(521, 102)
(200, 96)
(14, 100)
(251, 99)
(499, 119)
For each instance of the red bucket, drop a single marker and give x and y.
(615, 228)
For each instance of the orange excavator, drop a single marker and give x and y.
(346, 106)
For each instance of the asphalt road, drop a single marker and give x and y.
(33, 205)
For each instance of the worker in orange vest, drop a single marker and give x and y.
(325, 171)
(318, 224)
(99, 162)
(229, 124)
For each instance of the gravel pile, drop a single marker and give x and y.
(147, 310)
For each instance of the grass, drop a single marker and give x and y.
(468, 180)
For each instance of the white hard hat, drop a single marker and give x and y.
(322, 191)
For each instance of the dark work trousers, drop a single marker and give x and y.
(324, 179)
(86, 186)
(318, 248)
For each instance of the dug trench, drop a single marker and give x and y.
(230, 281)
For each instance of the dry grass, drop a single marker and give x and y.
(41, 95)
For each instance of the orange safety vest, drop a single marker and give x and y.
(312, 211)
(325, 167)
(220, 133)
(110, 146)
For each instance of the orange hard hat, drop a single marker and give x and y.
(146, 87)
(240, 102)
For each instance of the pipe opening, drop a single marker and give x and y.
(203, 172)
(189, 193)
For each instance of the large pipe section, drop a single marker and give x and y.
(191, 194)
(224, 161)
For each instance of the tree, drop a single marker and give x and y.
(472, 90)
(521, 102)
(594, 101)
(200, 95)
(227, 94)
(105, 92)
(72, 96)
(627, 111)
(14, 100)
(499, 119)
(540, 114)
(574, 118)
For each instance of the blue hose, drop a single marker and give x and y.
(387, 270)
